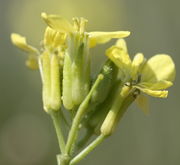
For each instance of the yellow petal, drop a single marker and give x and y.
(103, 37)
(21, 43)
(143, 103)
(120, 58)
(32, 62)
(154, 93)
(121, 43)
(160, 85)
(49, 36)
(59, 39)
(137, 64)
(57, 23)
(53, 38)
(158, 67)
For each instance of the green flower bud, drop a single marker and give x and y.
(55, 84)
(116, 111)
(76, 72)
(46, 80)
(51, 81)
(97, 112)
(109, 71)
(67, 83)
(80, 68)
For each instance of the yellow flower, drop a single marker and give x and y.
(76, 83)
(62, 25)
(49, 62)
(20, 42)
(69, 45)
(151, 77)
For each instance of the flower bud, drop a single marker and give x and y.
(51, 81)
(46, 80)
(116, 111)
(67, 83)
(76, 74)
(109, 71)
(80, 68)
(55, 84)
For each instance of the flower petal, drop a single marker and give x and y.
(142, 102)
(103, 37)
(21, 43)
(160, 85)
(57, 23)
(32, 62)
(158, 67)
(154, 93)
(120, 58)
(121, 43)
(137, 64)
(53, 39)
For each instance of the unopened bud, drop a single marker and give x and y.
(67, 83)
(46, 80)
(51, 81)
(115, 112)
(55, 84)
(109, 71)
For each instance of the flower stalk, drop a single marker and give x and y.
(55, 115)
(78, 117)
(87, 150)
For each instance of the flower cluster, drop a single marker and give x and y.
(97, 104)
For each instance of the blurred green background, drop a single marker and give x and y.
(26, 133)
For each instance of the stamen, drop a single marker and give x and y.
(83, 23)
(79, 24)
(76, 23)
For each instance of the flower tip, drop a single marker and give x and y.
(128, 33)
(125, 33)
(166, 93)
(13, 36)
(44, 15)
(16, 38)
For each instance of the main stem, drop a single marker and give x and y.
(77, 119)
(55, 115)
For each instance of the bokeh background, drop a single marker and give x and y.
(26, 133)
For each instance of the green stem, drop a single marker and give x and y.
(63, 159)
(55, 115)
(87, 150)
(77, 119)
